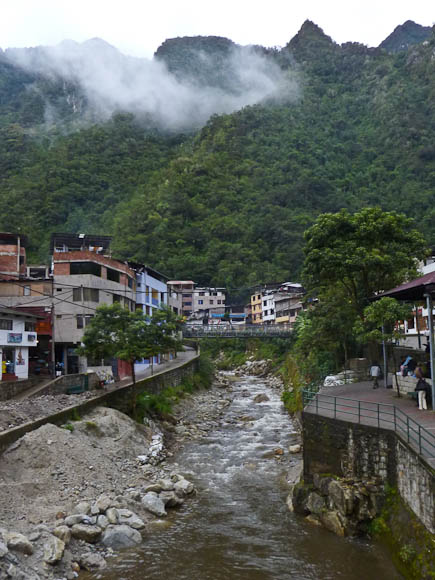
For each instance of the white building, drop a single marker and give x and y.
(17, 335)
(268, 307)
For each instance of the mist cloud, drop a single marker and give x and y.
(113, 82)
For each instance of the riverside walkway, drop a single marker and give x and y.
(360, 403)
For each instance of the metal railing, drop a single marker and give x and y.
(381, 415)
(234, 331)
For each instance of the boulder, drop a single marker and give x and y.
(341, 496)
(261, 398)
(102, 521)
(332, 522)
(63, 533)
(170, 499)
(3, 550)
(86, 533)
(122, 536)
(294, 448)
(112, 515)
(53, 550)
(155, 487)
(103, 503)
(84, 507)
(90, 561)
(152, 503)
(131, 520)
(182, 487)
(165, 484)
(315, 503)
(18, 543)
(78, 519)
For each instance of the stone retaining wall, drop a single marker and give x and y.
(121, 399)
(349, 450)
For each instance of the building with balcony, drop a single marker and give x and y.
(185, 289)
(256, 308)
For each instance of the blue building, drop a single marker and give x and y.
(151, 294)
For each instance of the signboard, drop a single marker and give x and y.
(43, 327)
(15, 337)
(31, 337)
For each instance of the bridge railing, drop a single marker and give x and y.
(381, 415)
(236, 330)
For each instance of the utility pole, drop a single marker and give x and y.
(53, 344)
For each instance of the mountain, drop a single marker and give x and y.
(405, 35)
(309, 128)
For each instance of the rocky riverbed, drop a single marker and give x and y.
(72, 496)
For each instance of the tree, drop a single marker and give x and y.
(380, 323)
(167, 325)
(362, 253)
(116, 332)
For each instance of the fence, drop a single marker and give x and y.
(237, 331)
(379, 415)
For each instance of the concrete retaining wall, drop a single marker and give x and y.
(357, 451)
(10, 389)
(121, 399)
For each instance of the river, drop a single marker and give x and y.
(238, 525)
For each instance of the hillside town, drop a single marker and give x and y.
(47, 307)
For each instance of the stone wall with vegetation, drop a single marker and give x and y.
(361, 479)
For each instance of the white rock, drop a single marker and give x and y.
(53, 550)
(152, 503)
(294, 448)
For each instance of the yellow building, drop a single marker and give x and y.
(257, 314)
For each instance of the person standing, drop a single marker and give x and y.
(375, 373)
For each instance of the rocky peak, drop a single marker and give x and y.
(309, 40)
(405, 35)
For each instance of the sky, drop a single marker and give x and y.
(138, 27)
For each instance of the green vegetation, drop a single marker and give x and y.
(114, 331)
(411, 545)
(161, 404)
(227, 205)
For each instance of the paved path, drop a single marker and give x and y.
(359, 402)
(182, 357)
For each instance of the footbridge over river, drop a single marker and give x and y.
(238, 331)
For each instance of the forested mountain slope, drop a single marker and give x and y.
(343, 126)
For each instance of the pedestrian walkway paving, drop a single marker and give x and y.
(360, 403)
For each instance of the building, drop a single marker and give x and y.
(287, 308)
(183, 288)
(256, 308)
(151, 288)
(207, 301)
(268, 307)
(84, 277)
(12, 256)
(17, 336)
(175, 301)
(151, 294)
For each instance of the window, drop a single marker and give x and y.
(91, 295)
(112, 275)
(59, 289)
(116, 298)
(77, 294)
(26, 291)
(30, 326)
(77, 268)
(6, 324)
(130, 282)
(83, 321)
(211, 301)
(187, 304)
(202, 293)
(200, 301)
(219, 301)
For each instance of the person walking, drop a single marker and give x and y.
(422, 389)
(375, 373)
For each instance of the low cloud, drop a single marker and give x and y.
(112, 82)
